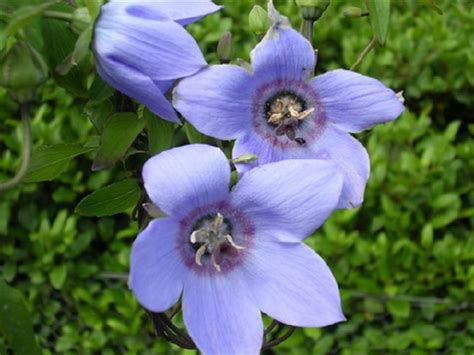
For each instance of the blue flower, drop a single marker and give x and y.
(233, 254)
(141, 48)
(278, 111)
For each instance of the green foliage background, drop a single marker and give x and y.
(404, 260)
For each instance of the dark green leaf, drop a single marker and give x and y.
(15, 322)
(379, 11)
(399, 308)
(81, 49)
(99, 91)
(47, 162)
(57, 276)
(24, 16)
(119, 133)
(110, 200)
(99, 114)
(160, 133)
(60, 43)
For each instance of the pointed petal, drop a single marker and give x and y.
(156, 270)
(354, 102)
(283, 52)
(186, 11)
(352, 160)
(217, 100)
(160, 49)
(291, 196)
(181, 179)
(137, 86)
(220, 317)
(293, 284)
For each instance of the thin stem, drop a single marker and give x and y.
(25, 118)
(362, 54)
(58, 15)
(307, 30)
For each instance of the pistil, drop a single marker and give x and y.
(212, 238)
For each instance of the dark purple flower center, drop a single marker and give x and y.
(212, 236)
(215, 238)
(284, 112)
(287, 113)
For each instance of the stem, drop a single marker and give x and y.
(25, 118)
(307, 30)
(362, 54)
(58, 15)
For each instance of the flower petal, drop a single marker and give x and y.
(354, 102)
(293, 197)
(160, 49)
(156, 270)
(181, 179)
(293, 284)
(137, 86)
(220, 317)
(283, 52)
(352, 160)
(216, 100)
(186, 11)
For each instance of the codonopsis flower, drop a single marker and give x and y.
(141, 47)
(277, 111)
(234, 254)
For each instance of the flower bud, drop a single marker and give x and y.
(312, 9)
(258, 20)
(224, 48)
(22, 70)
(80, 20)
(352, 11)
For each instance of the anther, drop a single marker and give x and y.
(231, 242)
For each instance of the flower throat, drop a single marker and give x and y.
(285, 111)
(212, 237)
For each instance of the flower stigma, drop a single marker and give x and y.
(285, 112)
(212, 237)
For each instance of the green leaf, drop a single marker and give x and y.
(47, 162)
(15, 322)
(24, 16)
(99, 114)
(60, 43)
(94, 8)
(193, 135)
(427, 235)
(379, 11)
(110, 200)
(57, 276)
(160, 133)
(119, 133)
(99, 91)
(399, 308)
(81, 49)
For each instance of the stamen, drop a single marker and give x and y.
(214, 262)
(217, 222)
(200, 252)
(231, 242)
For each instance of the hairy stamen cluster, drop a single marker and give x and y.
(212, 238)
(285, 112)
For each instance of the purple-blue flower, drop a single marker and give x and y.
(233, 254)
(278, 111)
(141, 48)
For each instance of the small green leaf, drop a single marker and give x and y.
(399, 308)
(160, 133)
(15, 322)
(119, 133)
(99, 91)
(427, 235)
(81, 49)
(110, 200)
(94, 8)
(24, 16)
(193, 135)
(47, 162)
(379, 11)
(57, 276)
(99, 113)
